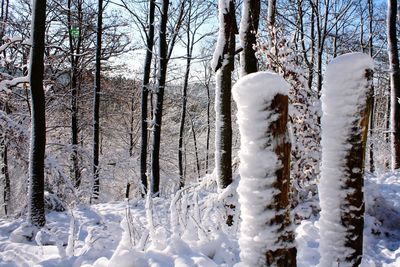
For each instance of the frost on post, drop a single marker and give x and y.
(266, 234)
(346, 103)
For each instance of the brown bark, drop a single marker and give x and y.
(353, 215)
(248, 58)
(223, 128)
(281, 204)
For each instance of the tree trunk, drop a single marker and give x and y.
(131, 122)
(388, 134)
(271, 30)
(362, 46)
(195, 148)
(127, 190)
(394, 81)
(271, 14)
(145, 93)
(189, 51)
(208, 127)
(248, 30)
(159, 97)
(3, 146)
(322, 22)
(312, 48)
(75, 170)
(224, 65)
(3, 18)
(5, 175)
(96, 103)
(371, 123)
(36, 215)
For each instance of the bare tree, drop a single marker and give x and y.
(223, 64)
(370, 51)
(394, 81)
(3, 144)
(248, 30)
(197, 14)
(165, 53)
(96, 103)
(74, 54)
(145, 93)
(159, 97)
(4, 171)
(3, 18)
(36, 214)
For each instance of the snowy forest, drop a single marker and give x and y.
(199, 133)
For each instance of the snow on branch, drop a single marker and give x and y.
(6, 84)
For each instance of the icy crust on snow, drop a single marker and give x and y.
(258, 164)
(345, 89)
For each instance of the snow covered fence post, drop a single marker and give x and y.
(346, 105)
(266, 234)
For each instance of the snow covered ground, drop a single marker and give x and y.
(188, 232)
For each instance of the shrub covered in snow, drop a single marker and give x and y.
(279, 55)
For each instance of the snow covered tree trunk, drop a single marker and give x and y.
(370, 51)
(96, 103)
(394, 81)
(3, 145)
(5, 176)
(75, 170)
(36, 214)
(145, 93)
(248, 30)
(207, 85)
(223, 64)
(159, 97)
(189, 52)
(3, 18)
(266, 234)
(346, 105)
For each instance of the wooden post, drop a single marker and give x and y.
(266, 236)
(346, 105)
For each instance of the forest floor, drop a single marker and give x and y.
(118, 234)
